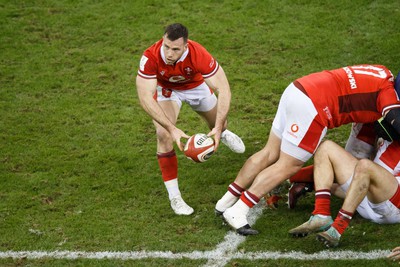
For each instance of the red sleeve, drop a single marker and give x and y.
(388, 99)
(148, 62)
(205, 63)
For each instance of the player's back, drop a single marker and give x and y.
(350, 94)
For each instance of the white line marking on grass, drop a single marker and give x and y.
(225, 250)
(195, 255)
(220, 256)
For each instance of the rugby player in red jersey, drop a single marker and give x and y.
(175, 70)
(370, 187)
(308, 108)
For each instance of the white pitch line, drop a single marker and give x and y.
(220, 256)
(225, 250)
(195, 255)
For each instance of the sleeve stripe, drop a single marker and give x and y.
(212, 73)
(387, 108)
(141, 74)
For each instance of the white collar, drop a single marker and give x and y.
(182, 58)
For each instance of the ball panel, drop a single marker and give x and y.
(199, 148)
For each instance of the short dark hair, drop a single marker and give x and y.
(176, 31)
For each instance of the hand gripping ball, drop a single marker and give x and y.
(199, 147)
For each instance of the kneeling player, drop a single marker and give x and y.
(361, 144)
(372, 189)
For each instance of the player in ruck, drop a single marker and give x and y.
(175, 70)
(308, 107)
(361, 144)
(370, 187)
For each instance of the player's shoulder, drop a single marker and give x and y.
(196, 47)
(192, 43)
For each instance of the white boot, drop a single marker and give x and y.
(180, 207)
(232, 141)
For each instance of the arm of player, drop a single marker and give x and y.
(220, 84)
(393, 117)
(395, 254)
(146, 89)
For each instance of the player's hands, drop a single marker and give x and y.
(216, 134)
(395, 254)
(177, 134)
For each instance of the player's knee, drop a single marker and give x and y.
(325, 148)
(163, 136)
(267, 156)
(363, 166)
(287, 168)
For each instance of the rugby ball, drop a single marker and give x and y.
(199, 147)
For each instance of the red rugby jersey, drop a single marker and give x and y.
(360, 93)
(188, 72)
(389, 154)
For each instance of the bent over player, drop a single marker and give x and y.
(175, 70)
(371, 188)
(308, 107)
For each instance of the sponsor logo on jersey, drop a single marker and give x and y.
(352, 81)
(212, 63)
(327, 112)
(177, 79)
(143, 61)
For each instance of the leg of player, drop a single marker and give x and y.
(168, 162)
(302, 183)
(253, 166)
(330, 162)
(228, 138)
(264, 182)
(369, 180)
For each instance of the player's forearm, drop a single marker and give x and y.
(393, 117)
(146, 88)
(222, 111)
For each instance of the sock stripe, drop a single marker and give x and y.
(346, 214)
(323, 193)
(235, 189)
(166, 155)
(253, 198)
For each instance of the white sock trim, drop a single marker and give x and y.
(172, 188)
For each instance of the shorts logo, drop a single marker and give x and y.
(166, 92)
(294, 128)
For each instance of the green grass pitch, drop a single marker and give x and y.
(78, 169)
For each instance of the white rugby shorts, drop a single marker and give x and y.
(200, 98)
(382, 213)
(298, 125)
